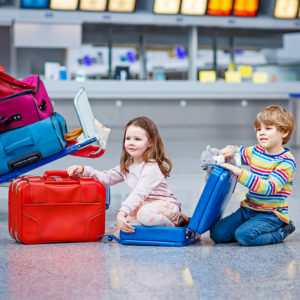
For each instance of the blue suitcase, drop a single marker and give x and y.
(212, 203)
(29, 144)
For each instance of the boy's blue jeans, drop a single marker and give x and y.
(249, 228)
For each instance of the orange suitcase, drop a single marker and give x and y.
(56, 208)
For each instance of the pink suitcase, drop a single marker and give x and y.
(25, 106)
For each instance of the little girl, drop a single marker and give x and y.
(143, 166)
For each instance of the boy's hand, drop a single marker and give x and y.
(227, 152)
(75, 169)
(235, 170)
(123, 224)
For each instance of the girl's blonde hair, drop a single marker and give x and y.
(155, 152)
(277, 116)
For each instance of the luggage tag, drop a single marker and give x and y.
(212, 203)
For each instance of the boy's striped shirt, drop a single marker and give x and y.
(269, 180)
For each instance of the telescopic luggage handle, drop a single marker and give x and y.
(86, 117)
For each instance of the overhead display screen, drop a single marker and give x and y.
(245, 8)
(286, 9)
(34, 3)
(219, 7)
(166, 6)
(193, 7)
(64, 5)
(121, 5)
(93, 5)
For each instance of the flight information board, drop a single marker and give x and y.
(193, 7)
(121, 5)
(93, 5)
(166, 6)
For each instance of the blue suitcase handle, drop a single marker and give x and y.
(28, 141)
(216, 165)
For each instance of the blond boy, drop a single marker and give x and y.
(262, 218)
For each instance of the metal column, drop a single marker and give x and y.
(215, 47)
(142, 57)
(293, 107)
(193, 47)
(13, 53)
(231, 49)
(109, 40)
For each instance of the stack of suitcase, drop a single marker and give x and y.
(49, 143)
(54, 207)
(29, 129)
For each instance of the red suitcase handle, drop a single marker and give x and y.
(59, 173)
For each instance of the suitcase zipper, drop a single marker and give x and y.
(31, 178)
(18, 185)
(25, 177)
(36, 107)
(17, 95)
(61, 145)
(23, 92)
(16, 234)
(10, 232)
(16, 231)
(13, 184)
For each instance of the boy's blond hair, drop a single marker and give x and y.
(277, 116)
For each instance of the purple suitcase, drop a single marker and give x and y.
(25, 107)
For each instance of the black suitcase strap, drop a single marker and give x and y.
(106, 238)
(12, 118)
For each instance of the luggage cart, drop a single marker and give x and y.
(86, 119)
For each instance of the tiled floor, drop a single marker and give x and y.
(202, 270)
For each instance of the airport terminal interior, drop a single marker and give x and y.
(201, 70)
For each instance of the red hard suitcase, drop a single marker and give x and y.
(56, 208)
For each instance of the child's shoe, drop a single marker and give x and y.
(182, 221)
(287, 229)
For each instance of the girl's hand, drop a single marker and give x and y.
(235, 170)
(75, 169)
(122, 223)
(227, 152)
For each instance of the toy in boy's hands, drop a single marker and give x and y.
(215, 156)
